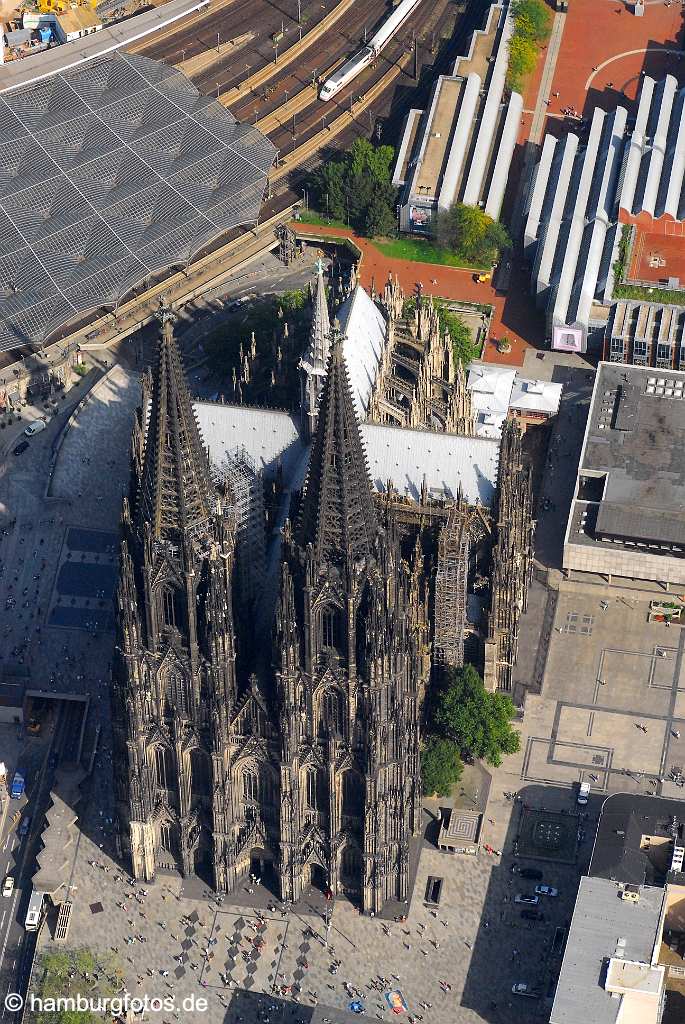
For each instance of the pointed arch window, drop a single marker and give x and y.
(352, 793)
(177, 695)
(250, 785)
(330, 628)
(162, 766)
(168, 609)
(332, 716)
(310, 789)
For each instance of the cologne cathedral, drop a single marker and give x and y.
(267, 682)
(309, 767)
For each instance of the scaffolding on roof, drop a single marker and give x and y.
(451, 583)
(239, 473)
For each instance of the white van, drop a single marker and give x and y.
(583, 792)
(34, 911)
(35, 427)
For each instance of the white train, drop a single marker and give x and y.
(354, 65)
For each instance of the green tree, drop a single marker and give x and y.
(532, 19)
(522, 60)
(357, 187)
(329, 186)
(478, 722)
(441, 766)
(471, 233)
(379, 218)
(463, 346)
(496, 237)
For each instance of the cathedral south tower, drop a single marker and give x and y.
(347, 677)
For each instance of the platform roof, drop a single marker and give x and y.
(110, 173)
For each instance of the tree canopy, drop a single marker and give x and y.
(471, 234)
(441, 766)
(478, 722)
(532, 19)
(532, 25)
(357, 187)
(62, 974)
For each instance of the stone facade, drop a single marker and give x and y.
(308, 768)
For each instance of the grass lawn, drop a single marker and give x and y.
(642, 293)
(312, 217)
(419, 251)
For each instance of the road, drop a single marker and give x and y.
(17, 855)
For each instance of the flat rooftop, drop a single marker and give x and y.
(621, 851)
(657, 257)
(631, 478)
(610, 943)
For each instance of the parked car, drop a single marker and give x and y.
(583, 793)
(35, 427)
(21, 447)
(532, 915)
(18, 785)
(533, 873)
(25, 826)
(8, 887)
(522, 988)
(524, 897)
(238, 303)
(546, 890)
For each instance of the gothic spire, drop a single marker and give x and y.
(318, 349)
(338, 515)
(175, 486)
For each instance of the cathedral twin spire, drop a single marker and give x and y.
(175, 486)
(338, 516)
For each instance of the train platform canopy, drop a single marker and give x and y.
(110, 173)
(461, 146)
(623, 180)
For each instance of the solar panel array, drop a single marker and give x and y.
(109, 173)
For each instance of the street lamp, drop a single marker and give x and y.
(329, 907)
(299, 11)
(217, 90)
(218, 37)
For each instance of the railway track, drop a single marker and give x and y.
(344, 120)
(314, 133)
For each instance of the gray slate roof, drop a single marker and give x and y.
(109, 173)
(271, 439)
